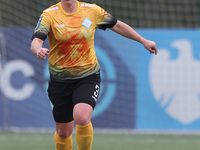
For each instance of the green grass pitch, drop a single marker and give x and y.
(44, 141)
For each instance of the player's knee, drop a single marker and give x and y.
(81, 119)
(64, 134)
(82, 114)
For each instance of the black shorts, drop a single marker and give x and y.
(65, 95)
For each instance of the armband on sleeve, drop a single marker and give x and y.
(39, 35)
(109, 22)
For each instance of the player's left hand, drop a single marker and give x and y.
(150, 46)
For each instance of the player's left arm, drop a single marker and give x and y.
(126, 31)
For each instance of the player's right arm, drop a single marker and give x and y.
(39, 36)
(38, 50)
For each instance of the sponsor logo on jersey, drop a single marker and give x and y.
(87, 5)
(60, 25)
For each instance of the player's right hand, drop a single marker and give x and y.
(42, 53)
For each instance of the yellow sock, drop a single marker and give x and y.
(63, 144)
(84, 136)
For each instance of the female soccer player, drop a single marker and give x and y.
(74, 69)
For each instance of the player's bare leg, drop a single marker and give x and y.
(84, 131)
(63, 136)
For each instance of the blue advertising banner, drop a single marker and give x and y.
(138, 90)
(169, 83)
(23, 101)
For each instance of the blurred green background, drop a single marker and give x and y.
(137, 13)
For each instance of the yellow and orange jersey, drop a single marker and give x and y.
(71, 38)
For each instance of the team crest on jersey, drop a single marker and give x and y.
(87, 23)
(39, 21)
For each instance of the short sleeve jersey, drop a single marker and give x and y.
(71, 39)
